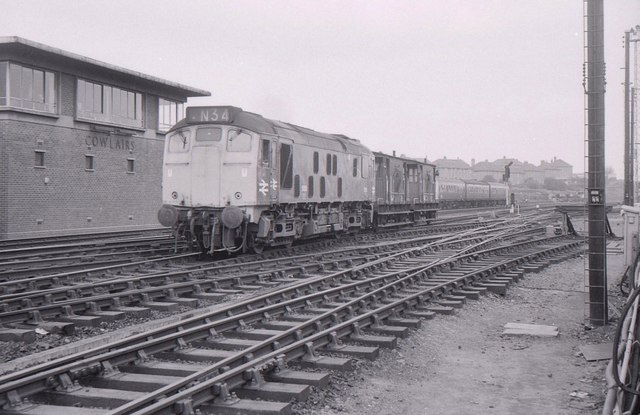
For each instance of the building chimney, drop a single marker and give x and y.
(394, 153)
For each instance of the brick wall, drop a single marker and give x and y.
(62, 196)
(4, 180)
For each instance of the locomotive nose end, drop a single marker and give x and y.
(167, 215)
(232, 217)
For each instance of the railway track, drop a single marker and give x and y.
(231, 359)
(60, 302)
(78, 238)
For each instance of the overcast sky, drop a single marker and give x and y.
(474, 79)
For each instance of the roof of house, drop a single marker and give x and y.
(451, 163)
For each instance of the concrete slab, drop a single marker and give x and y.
(53, 410)
(131, 381)
(248, 407)
(389, 342)
(398, 331)
(161, 306)
(17, 335)
(197, 355)
(90, 397)
(538, 330)
(326, 362)
(474, 295)
(427, 315)
(162, 368)
(593, 352)
(368, 352)
(497, 288)
(275, 391)
(413, 323)
(297, 376)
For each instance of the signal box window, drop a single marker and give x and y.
(105, 103)
(169, 113)
(208, 134)
(179, 141)
(39, 162)
(328, 164)
(89, 162)
(238, 141)
(322, 187)
(286, 166)
(310, 186)
(131, 165)
(27, 88)
(296, 186)
(316, 162)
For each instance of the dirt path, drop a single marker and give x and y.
(462, 364)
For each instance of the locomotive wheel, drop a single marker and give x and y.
(256, 248)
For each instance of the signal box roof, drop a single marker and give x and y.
(30, 51)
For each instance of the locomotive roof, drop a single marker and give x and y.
(403, 158)
(299, 135)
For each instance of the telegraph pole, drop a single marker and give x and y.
(594, 86)
(629, 145)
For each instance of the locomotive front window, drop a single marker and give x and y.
(238, 141)
(179, 141)
(208, 134)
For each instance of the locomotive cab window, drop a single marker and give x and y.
(335, 165)
(286, 166)
(238, 141)
(365, 167)
(266, 152)
(316, 162)
(179, 141)
(208, 134)
(328, 164)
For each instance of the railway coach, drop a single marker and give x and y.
(404, 192)
(456, 193)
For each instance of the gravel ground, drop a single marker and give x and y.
(463, 364)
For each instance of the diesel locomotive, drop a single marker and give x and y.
(235, 181)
